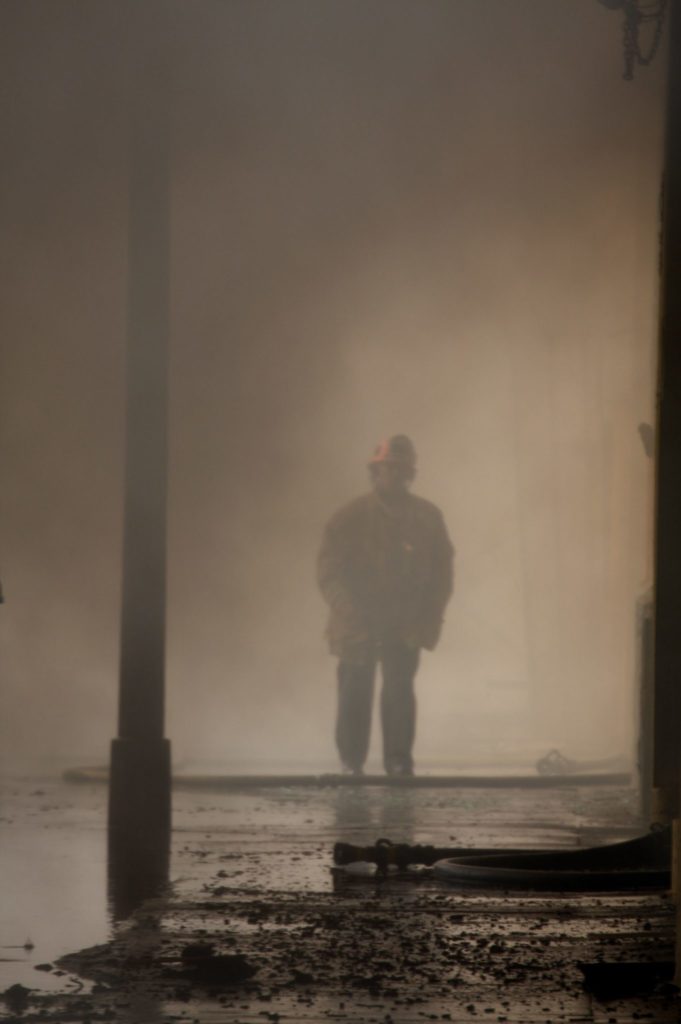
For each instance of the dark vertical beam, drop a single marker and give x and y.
(667, 712)
(139, 798)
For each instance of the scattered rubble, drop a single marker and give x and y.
(16, 998)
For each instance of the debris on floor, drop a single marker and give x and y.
(256, 926)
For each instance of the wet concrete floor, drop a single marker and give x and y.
(256, 927)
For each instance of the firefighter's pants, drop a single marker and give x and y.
(398, 708)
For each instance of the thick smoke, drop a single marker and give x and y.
(433, 217)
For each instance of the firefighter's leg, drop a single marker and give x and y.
(353, 721)
(398, 707)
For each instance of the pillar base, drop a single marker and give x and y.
(139, 822)
(665, 805)
(676, 887)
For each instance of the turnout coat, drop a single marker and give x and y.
(386, 573)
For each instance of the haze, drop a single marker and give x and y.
(434, 217)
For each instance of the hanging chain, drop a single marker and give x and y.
(640, 17)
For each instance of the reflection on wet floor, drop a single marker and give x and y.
(385, 812)
(138, 869)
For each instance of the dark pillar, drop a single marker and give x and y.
(667, 714)
(139, 796)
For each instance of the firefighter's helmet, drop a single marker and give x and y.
(397, 449)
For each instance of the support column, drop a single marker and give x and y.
(667, 701)
(139, 796)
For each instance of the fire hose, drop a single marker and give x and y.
(640, 863)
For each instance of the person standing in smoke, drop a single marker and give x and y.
(385, 570)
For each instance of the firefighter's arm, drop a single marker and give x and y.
(332, 570)
(443, 565)
(442, 584)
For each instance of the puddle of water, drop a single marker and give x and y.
(53, 869)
